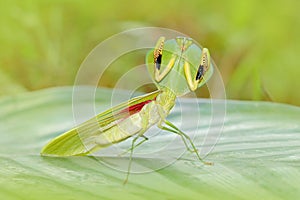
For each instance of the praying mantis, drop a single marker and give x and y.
(177, 66)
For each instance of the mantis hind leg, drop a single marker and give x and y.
(130, 159)
(184, 137)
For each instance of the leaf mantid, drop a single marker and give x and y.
(177, 66)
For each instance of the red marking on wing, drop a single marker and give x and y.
(135, 108)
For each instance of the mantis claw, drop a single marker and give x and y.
(208, 163)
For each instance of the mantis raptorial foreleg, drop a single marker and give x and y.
(160, 75)
(203, 67)
(157, 55)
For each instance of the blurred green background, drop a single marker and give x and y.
(254, 43)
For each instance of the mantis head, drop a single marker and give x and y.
(179, 65)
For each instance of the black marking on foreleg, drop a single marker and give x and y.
(158, 61)
(200, 72)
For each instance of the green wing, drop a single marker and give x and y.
(80, 140)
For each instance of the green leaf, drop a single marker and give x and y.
(256, 157)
